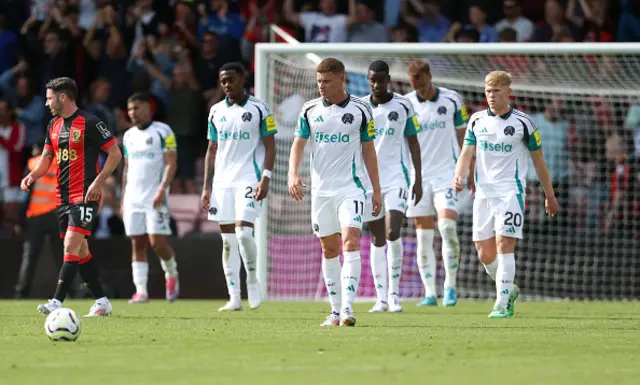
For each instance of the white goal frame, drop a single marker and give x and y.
(262, 50)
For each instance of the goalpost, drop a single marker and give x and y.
(579, 93)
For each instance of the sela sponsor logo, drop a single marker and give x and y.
(321, 137)
(230, 135)
(495, 147)
(385, 131)
(142, 155)
(434, 125)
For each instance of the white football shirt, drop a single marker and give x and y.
(394, 121)
(336, 133)
(144, 149)
(502, 151)
(439, 118)
(238, 129)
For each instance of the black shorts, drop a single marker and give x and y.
(78, 217)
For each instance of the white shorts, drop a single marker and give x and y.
(330, 214)
(392, 199)
(141, 222)
(437, 195)
(498, 216)
(231, 204)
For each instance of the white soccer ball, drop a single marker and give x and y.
(63, 325)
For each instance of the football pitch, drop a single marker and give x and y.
(189, 342)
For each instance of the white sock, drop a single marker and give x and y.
(504, 278)
(248, 251)
(379, 271)
(396, 254)
(331, 273)
(169, 267)
(140, 271)
(350, 277)
(231, 265)
(491, 268)
(426, 261)
(450, 251)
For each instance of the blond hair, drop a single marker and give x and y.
(418, 67)
(332, 65)
(498, 78)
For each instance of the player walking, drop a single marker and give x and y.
(500, 138)
(341, 129)
(396, 143)
(76, 138)
(242, 150)
(149, 151)
(442, 116)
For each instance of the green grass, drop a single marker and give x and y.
(189, 342)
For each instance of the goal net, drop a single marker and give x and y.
(586, 102)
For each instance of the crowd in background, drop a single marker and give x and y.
(174, 48)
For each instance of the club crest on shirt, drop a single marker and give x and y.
(246, 117)
(75, 136)
(442, 110)
(347, 118)
(149, 141)
(509, 131)
(393, 116)
(316, 228)
(213, 210)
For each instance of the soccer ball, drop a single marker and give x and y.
(63, 325)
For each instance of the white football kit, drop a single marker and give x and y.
(144, 149)
(502, 145)
(336, 133)
(238, 129)
(394, 121)
(439, 118)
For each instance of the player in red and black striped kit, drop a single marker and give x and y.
(74, 139)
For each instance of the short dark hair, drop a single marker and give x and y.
(508, 34)
(332, 65)
(379, 66)
(65, 86)
(233, 66)
(418, 67)
(139, 97)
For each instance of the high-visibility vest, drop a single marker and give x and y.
(43, 191)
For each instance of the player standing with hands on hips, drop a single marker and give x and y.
(341, 130)
(242, 149)
(499, 138)
(76, 139)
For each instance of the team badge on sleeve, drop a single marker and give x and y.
(170, 141)
(104, 131)
(371, 129)
(416, 123)
(536, 136)
(464, 113)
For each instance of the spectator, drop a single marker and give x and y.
(632, 124)
(100, 91)
(478, 22)
(207, 66)
(144, 21)
(8, 44)
(229, 26)
(554, 24)
(513, 19)
(508, 35)
(366, 29)
(41, 221)
(596, 26)
(325, 26)
(55, 63)
(619, 209)
(629, 23)
(12, 140)
(432, 26)
(400, 34)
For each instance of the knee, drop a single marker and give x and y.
(330, 251)
(377, 240)
(485, 255)
(351, 243)
(393, 235)
(244, 234)
(448, 232)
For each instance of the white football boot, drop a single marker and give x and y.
(102, 307)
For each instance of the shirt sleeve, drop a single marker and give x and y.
(367, 127)
(268, 124)
(412, 126)
(212, 133)
(470, 136)
(168, 140)
(531, 135)
(47, 139)
(461, 116)
(99, 133)
(303, 130)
